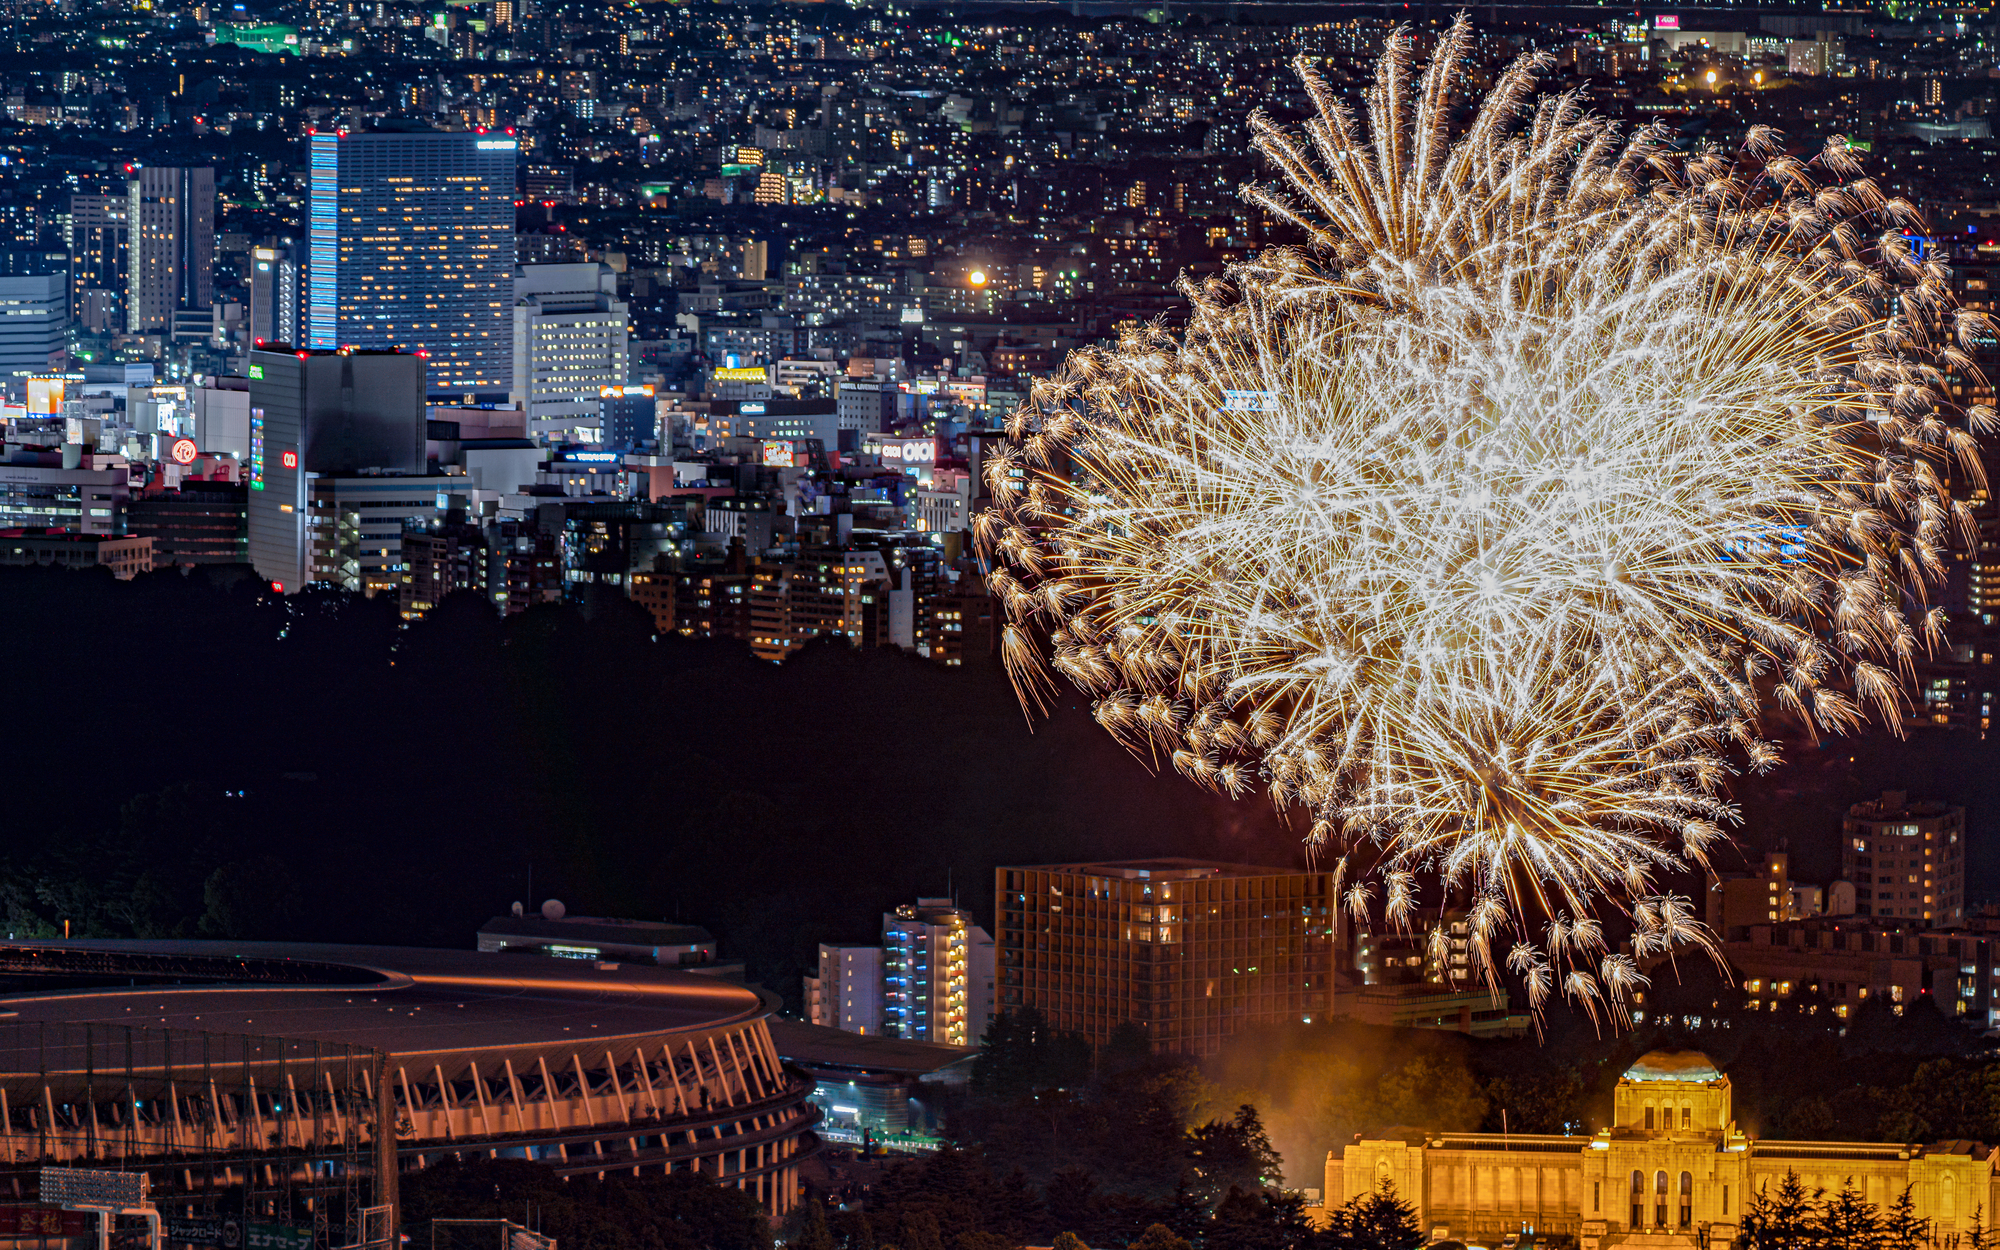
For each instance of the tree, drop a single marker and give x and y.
(1071, 1198)
(1020, 1053)
(1432, 1091)
(1850, 1221)
(1785, 1219)
(1260, 1220)
(813, 1232)
(1159, 1237)
(1902, 1227)
(1976, 1235)
(1376, 1221)
(1067, 1241)
(1234, 1154)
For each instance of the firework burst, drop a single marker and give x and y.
(1486, 528)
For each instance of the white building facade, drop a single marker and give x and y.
(571, 334)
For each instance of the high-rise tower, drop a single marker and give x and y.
(170, 246)
(413, 250)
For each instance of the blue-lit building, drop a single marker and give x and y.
(413, 250)
(34, 322)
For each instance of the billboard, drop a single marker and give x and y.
(1667, 21)
(740, 375)
(778, 453)
(902, 450)
(45, 396)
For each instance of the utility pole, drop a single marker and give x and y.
(387, 1177)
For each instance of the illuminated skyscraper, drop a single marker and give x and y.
(413, 250)
(170, 246)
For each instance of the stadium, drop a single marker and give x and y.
(297, 1078)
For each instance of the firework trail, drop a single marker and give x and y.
(1486, 528)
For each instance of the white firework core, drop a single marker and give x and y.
(1487, 528)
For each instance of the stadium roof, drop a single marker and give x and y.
(816, 1046)
(403, 1001)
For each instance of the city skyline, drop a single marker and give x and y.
(522, 523)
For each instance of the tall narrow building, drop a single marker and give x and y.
(274, 296)
(316, 415)
(413, 250)
(97, 261)
(170, 246)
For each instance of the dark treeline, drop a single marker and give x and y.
(207, 760)
(1112, 1147)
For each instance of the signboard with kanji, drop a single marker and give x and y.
(45, 1222)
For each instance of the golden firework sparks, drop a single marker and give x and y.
(1487, 527)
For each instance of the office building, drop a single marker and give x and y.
(97, 261)
(1191, 951)
(126, 555)
(34, 323)
(1906, 859)
(866, 407)
(170, 246)
(412, 249)
(1434, 948)
(627, 416)
(1841, 963)
(1766, 894)
(570, 335)
(355, 535)
(1672, 1169)
(274, 296)
(931, 979)
(221, 416)
(84, 499)
(200, 523)
(937, 974)
(324, 414)
(847, 993)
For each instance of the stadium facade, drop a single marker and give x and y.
(297, 1078)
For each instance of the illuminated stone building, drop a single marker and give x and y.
(1672, 1171)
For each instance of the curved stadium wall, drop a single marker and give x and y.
(288, 1070)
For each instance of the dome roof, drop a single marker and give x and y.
(1673, 1065)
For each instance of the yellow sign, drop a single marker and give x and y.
(740, 375)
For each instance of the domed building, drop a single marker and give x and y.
(1671, 1172)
